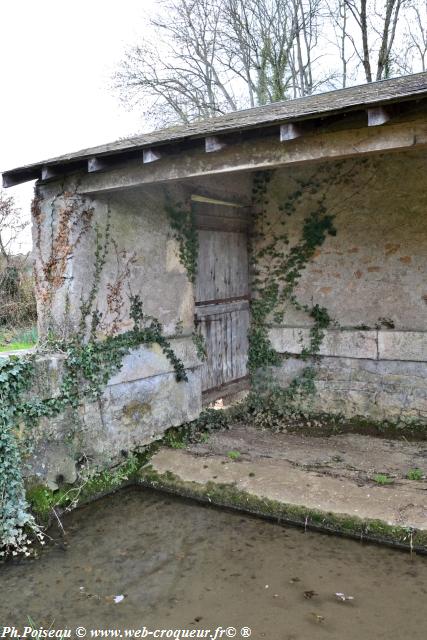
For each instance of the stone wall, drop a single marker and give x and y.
(142, 258)
(380, 390)
(92, 254)
(139, 403)
(375, 266)
(371, 277)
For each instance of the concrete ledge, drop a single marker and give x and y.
(342, 344)
(16, 352)
(280, 491)
(402, 345)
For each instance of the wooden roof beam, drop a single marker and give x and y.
(11, 179)
(270, 153)
(49, 172)
(97, 164)
(55, 171)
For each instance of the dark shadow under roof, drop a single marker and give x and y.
(323, 104)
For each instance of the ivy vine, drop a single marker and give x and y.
(15, 519)
(87, 369)
(89, 363)
(200, 344)
(274, 287)
(274, 291)
(181, 220)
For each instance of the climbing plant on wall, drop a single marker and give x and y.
(274, 286)
(89, 363)
(15, 519)
(183, 224)
(87, 369)
(277, 267)
(181, 220)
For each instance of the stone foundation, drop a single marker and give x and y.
(379, 375)
(384, 391)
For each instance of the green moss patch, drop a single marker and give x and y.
(227, 495)
(43, 500)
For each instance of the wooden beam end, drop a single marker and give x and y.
(214, 143)
(150, 155)
(378, 116)
(96, 164)
(8, 181)
(291, 131)
(49, 172)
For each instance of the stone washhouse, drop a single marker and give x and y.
(118, 220)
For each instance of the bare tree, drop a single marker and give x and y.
(414, 54)
(207, 57)
(338, 18)
(308, 16)
(177, 73)
(372, 34)
(11, 225)
(257, 37)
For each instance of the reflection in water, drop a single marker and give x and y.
(182, 565)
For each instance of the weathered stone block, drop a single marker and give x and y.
(145, 362)
(387, 390)
(136, 413)
(140, 403)
(403, 345)
(48, 374)
(343, 344)
(53, 464)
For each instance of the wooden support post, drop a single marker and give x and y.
(378, 116)
(213, 143)
(291, 131)
(150, 155)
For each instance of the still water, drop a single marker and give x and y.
(173, 564)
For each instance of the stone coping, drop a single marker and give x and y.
(142, 362)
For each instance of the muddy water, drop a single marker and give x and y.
(182, 565)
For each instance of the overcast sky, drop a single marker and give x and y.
(56, 62)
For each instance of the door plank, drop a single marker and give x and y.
(223, 265)
(222, 293)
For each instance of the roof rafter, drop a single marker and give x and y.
(375, 98)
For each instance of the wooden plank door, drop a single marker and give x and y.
(222, 296)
